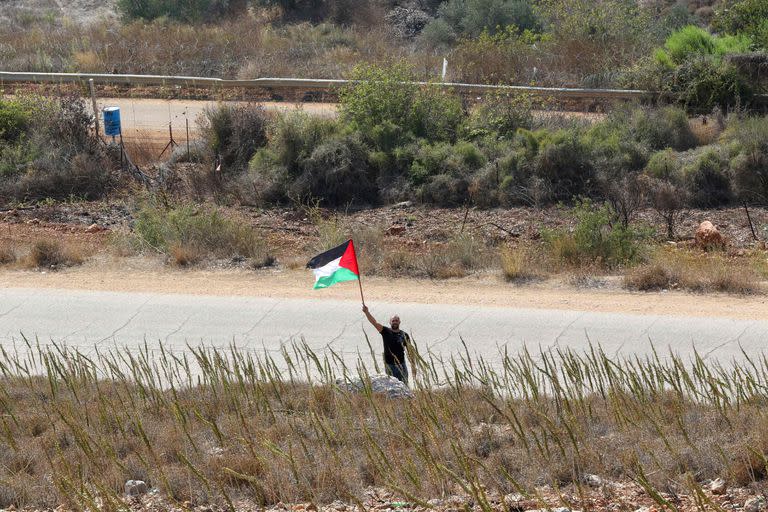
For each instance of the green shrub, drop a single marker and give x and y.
(15, 121)
(662, 128)
(446, 190)
(61, 157)
(378, 95)
(707, 180)
(470, 18)
(692, 41)
(436, 115)
(337, 173)
(502, 115)
(701, 84)
(665, 165)
(234, 133)
(749, 164)
(564, 164)
(386, 105)
(188, 11)
(595, 239)
(743, 17)
(294, 136)
(190, 233)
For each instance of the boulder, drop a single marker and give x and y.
(708, 236)
(382, 384)
(135, 487)
(754, 504)
(718, 486)
(94, 228)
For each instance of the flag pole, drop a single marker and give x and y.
(359, 274)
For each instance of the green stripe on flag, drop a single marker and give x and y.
(341, 275)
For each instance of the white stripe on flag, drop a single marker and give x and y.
(327, 269)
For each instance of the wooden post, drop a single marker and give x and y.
(93, 101)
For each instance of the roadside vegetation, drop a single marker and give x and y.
(704, 52)
(230, 427)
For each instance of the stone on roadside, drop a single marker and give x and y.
(755, 504)
(708, 237)
(718, 486)
(135, 487)
(94, 228)
(593, 480)
(381, 384)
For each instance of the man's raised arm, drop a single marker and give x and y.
(370, 318)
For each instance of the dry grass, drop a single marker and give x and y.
(522, 263)
(52, 254)
(215, 426)
(695, 271)
(8, 254)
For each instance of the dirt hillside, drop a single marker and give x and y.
(76, 10)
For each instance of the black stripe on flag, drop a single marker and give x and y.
(328, 256)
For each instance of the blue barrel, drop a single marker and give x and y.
(112, 121)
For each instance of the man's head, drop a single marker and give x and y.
(394, 322)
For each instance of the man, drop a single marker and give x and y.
(396, 343)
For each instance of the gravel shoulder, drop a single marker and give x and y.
(140, 275)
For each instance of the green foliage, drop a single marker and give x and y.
(707, 180)
(502, 115)
(595, 239)
(56, 155)
(458, 19)
(15, 119)
(692, 41)
(200, 228)
(565, 166)
(743, 17)
(665, 165)
(385, 103)
(233, 134)
(337, 173)
(187, 11)
(702, 84)
(749, 161)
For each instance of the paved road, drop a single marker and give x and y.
(105, 319)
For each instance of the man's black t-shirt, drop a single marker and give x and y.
(394, 345)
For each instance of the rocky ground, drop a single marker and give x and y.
(595, 494)
(293, 231)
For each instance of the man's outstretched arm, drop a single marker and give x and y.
(370, 318)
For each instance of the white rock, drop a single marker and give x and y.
(718, 486)
(593, 480)
(383, 384)
(135, 487)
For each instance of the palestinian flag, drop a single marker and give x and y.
(335, 266)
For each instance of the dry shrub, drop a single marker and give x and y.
(694, 271)
(8, 255)
(184, 255)
(143, 149)
(520, 264)
(52, 254)
(648, 277)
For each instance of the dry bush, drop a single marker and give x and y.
(184, 255)
(8, 254)
(694, 271)
(48, 253)
(521, 263)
